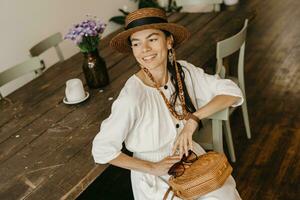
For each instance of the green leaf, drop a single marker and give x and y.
(118, 19)
(123, 11)
(89, 43)
(177, 9)
(148, 3)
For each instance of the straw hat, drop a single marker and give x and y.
(147, 18)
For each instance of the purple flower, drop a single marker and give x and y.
(87, 33)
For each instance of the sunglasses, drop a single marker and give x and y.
(178, 168)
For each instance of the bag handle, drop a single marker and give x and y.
(167, 194)
(197, 106)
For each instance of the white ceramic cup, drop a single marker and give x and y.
(74, 90)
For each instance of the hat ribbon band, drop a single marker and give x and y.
(145, 21)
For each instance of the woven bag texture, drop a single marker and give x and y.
(206, 174)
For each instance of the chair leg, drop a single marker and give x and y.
(246, 119)
(217, 7)
(217, 135)
(59, 54)
(228, 137)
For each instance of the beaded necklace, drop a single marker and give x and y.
(181, 94)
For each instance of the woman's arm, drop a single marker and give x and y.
(217, 104)
(154, 168)
(184, 142)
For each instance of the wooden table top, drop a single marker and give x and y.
(45, 145)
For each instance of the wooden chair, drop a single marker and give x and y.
(31, 65)
(51, 41)
(216, 3)
(226, 48)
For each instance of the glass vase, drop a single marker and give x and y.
(94, 69)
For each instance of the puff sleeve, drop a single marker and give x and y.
(107, 144)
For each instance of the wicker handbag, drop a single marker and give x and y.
(207, 173)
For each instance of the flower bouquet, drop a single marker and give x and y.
(86, 35)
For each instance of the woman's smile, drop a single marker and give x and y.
(149, 47)
(149, 58)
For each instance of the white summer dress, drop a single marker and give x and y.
(140, 118)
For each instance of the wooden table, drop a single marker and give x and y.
(45, 145)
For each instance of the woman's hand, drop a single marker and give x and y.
(162, 167)
(184, 141)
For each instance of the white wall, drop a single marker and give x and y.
(26, 22)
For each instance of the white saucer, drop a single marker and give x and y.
(75, 102)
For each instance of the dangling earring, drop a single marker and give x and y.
(171, 57)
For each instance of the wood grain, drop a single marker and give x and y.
(45, 145)
(268, 166)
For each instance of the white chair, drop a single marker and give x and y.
(49, 42)
(210, 137)
(226, 48)
(31, 65)
(216, 3)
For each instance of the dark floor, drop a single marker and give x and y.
(114, 183)
(267, 166)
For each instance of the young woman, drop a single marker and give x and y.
(156, 113)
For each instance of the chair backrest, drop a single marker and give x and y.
(229, 46)
(51, 41)
(31, 65)
(216, 3)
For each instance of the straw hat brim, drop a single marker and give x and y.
(120, 41)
